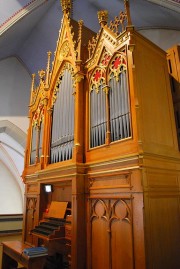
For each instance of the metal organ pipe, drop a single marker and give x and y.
(33, 146)
(119, 108)
(63, 120)
(98, 116)
(41, 138)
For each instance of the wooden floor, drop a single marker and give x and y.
(8, 238)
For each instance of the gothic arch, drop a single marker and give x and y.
(13, 131)
(6, 147)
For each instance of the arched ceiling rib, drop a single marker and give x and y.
(13, 131)
(171, 4)
(18, 12)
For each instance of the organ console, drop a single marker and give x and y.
(54, 224)
(56, 227)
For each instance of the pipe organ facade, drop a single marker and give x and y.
(102, 137)
(109, 104)
(62, 137)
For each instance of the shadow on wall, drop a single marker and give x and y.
(15, 84)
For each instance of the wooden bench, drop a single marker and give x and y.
(13, 254)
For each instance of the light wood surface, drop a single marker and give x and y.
(13, 250)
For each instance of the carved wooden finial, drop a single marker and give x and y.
(42, 74)
(48, 67)
(127, 11)
(80, 25)
(103, 17)
(33, 79)
(32, 87)
(66, 6)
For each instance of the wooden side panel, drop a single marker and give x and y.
(156, 118)
(162, 218)
(163, 236)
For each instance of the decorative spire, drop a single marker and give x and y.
(32, 87)
(41, 74)
(103, 17)
(127, 11)
(66, 6)
(121, 21)
(33, 79)
(80, 25)
(48, 67)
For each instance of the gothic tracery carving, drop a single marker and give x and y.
(110, 210)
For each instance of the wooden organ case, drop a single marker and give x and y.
(102, 134)
(54, 152)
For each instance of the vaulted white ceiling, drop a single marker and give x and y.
(28, 29)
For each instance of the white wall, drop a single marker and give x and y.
(15, 84)
(10, 194)
(164, 38)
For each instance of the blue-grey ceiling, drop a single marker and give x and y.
(36, 33)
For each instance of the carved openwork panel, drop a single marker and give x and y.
(116, 27)
(111, 233)
(31, 217)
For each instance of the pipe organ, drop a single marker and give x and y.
(102, 134)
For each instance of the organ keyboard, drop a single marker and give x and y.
(50, 228)
(55, 224)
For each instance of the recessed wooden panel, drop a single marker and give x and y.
(100, 238)
(121, 248)
(110, 181)
(111, 234)
(160, 178)
(32, 188)
(61, 192)
(121, 236)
